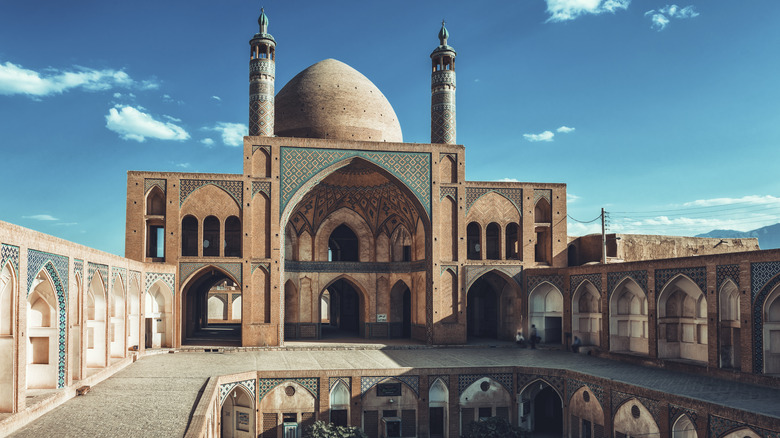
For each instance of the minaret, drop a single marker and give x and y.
(443, 91)
(262, 69)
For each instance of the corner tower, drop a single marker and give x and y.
(443, 91)
(262, 70)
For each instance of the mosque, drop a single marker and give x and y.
(337, 229)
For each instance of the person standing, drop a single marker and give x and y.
(534, 336)
(575, 346)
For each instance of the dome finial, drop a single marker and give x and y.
(263, 21)
(443, 34)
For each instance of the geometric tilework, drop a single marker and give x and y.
(154, 182)
(347, 381)
(35, 261)
(226, 388)
(465, 380)
(368, 382)
(453, 157)
(515, 196)
(452, 192)
(576, 280)
(443, 119)
(474, 272)
(121, 273)
(234, 269)
(312, 384)
(760, 274)
(640, 277)
(78, 268)
(555, 279)
(10, 253)
(62, 293)
(299, 165)
(232, 188)
(542, 193)
(619, 397)
(758, 322)
(444, 378)
(103, 269)
(265, 265)
(261, 187)
(698, 275)
(718, 426)
(556, 382)
(151, 277)
(675, 412)
(135, 276)
(573, 385)
(452, 268)
(266, 148)
(725, 272)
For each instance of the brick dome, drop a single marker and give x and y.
(332, 100)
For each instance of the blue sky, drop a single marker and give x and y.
(665, 114)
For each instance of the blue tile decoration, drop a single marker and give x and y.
(56, 266)
(299, 165)
(474, 272)
(698, 275)
(556, 382)
(618, 398)
(95, 267)
(760, 274)
(78, 268)
(226, 388)
(452, 192)
(312, 384)
(758, 322)
(233, 269)
(504, 379)
(151, 277)
(37, 259)
(576, 280)
(347, 381)
(726, 272)
(121, 273)
(10, 253)
(233, 188)
(515, 196)
(368, 382)
(154, 182)
(719, 426)
(451, 268)
(542, 193)
(261, 187)
(614, 278)
(573, 385)
(535, 280)
(135, 276)
(265, 265)
(676, 411)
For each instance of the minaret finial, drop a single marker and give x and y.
(443, 34)
(263, 21)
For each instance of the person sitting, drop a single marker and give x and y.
(575, 346)
(519, 339)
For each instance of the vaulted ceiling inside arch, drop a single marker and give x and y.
(360, 187)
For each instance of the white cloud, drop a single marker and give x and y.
(570, 197)
(564, 129)
(232, 133)
(15, 79)
(564, 10)
(133, 124)
(183, 165)
(544, 136)
(580, 229)
(507, 180)
(171, 118)
(117, 95)
(41, 217)
(750, 199)
(216, 98)
(660, 18)
(208, 142)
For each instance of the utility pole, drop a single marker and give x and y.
(603, 239)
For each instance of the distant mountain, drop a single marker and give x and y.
(768, 237)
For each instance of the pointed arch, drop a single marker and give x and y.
(134, 313)
(770, 313)
(117, 321)
(158, 311)
(155, 202)
(628, 318)
(238, 413)
(490, 304)
(586, 313)
(8, 294)
(634, 419)
(46, 325)
(682, 320)
(545, 404)
(545, 311)
(438, 408)
(400, 317)
(742, 432)
(585, 412)
(96, 314)
(683, 427)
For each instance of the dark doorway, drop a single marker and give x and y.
(436, 423)
(548, 413)
(338, 417)
(482, 309)
(553, 330)
(343, 245)
(400, 311)
(196, 329)
(345, 317)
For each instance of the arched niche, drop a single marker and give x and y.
(96, 327)
(8, 286)
(340, 400)
(117, 319)
(448, 306)
(474, 241)
(490, 306)
(400, 414)
(134, 314)
(633, 419)
(683, 428)
(586, 415)
(438, 409)
(771, 332)
(289, 405)
(400, 317)
(628, 318)
(542, 211)
(541, 409)
(211, 233)
(448, 170)
(742, 432)
(42, 333)
(355, 223)
(493, 241)
(237, 419)
(189, 236)
(158, 311)
(682, 321)
(546, 312)
(448, 229)
(233, 237)
(155, 202)
(261, 163)
(400, 245)
(586, 314)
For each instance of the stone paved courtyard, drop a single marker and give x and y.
(155, 395)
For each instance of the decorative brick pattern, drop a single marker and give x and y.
(78, 268)
(474, 272)
(726, 272)
(515, 196)
(36, 261)
(452, 268)
(261, 187)
(504, 379)
(299, 165)
(226, 388)
(555, 381)
(95, 267)
(347, 381)
(573, 385)
(135, 276)
(445, 378)
(618, 398)
(452, 156)
(576, 280)
(536, 280)
(265, 265)
(154, 182)
(233, 269)
(261, 115)
(719, 426)
(698, 275)
(760, 274)
(355, 267)
(233, 188)
(452, 192)
(312, 384)
(368, 382)
(10, 253)
(121, 273)
(542, 193)
(168, 279)
(758, 323)
(266, 148)
(613, 278)
(676, 411)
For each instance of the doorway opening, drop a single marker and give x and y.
(211, 310)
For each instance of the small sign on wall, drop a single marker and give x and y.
(381, 317)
